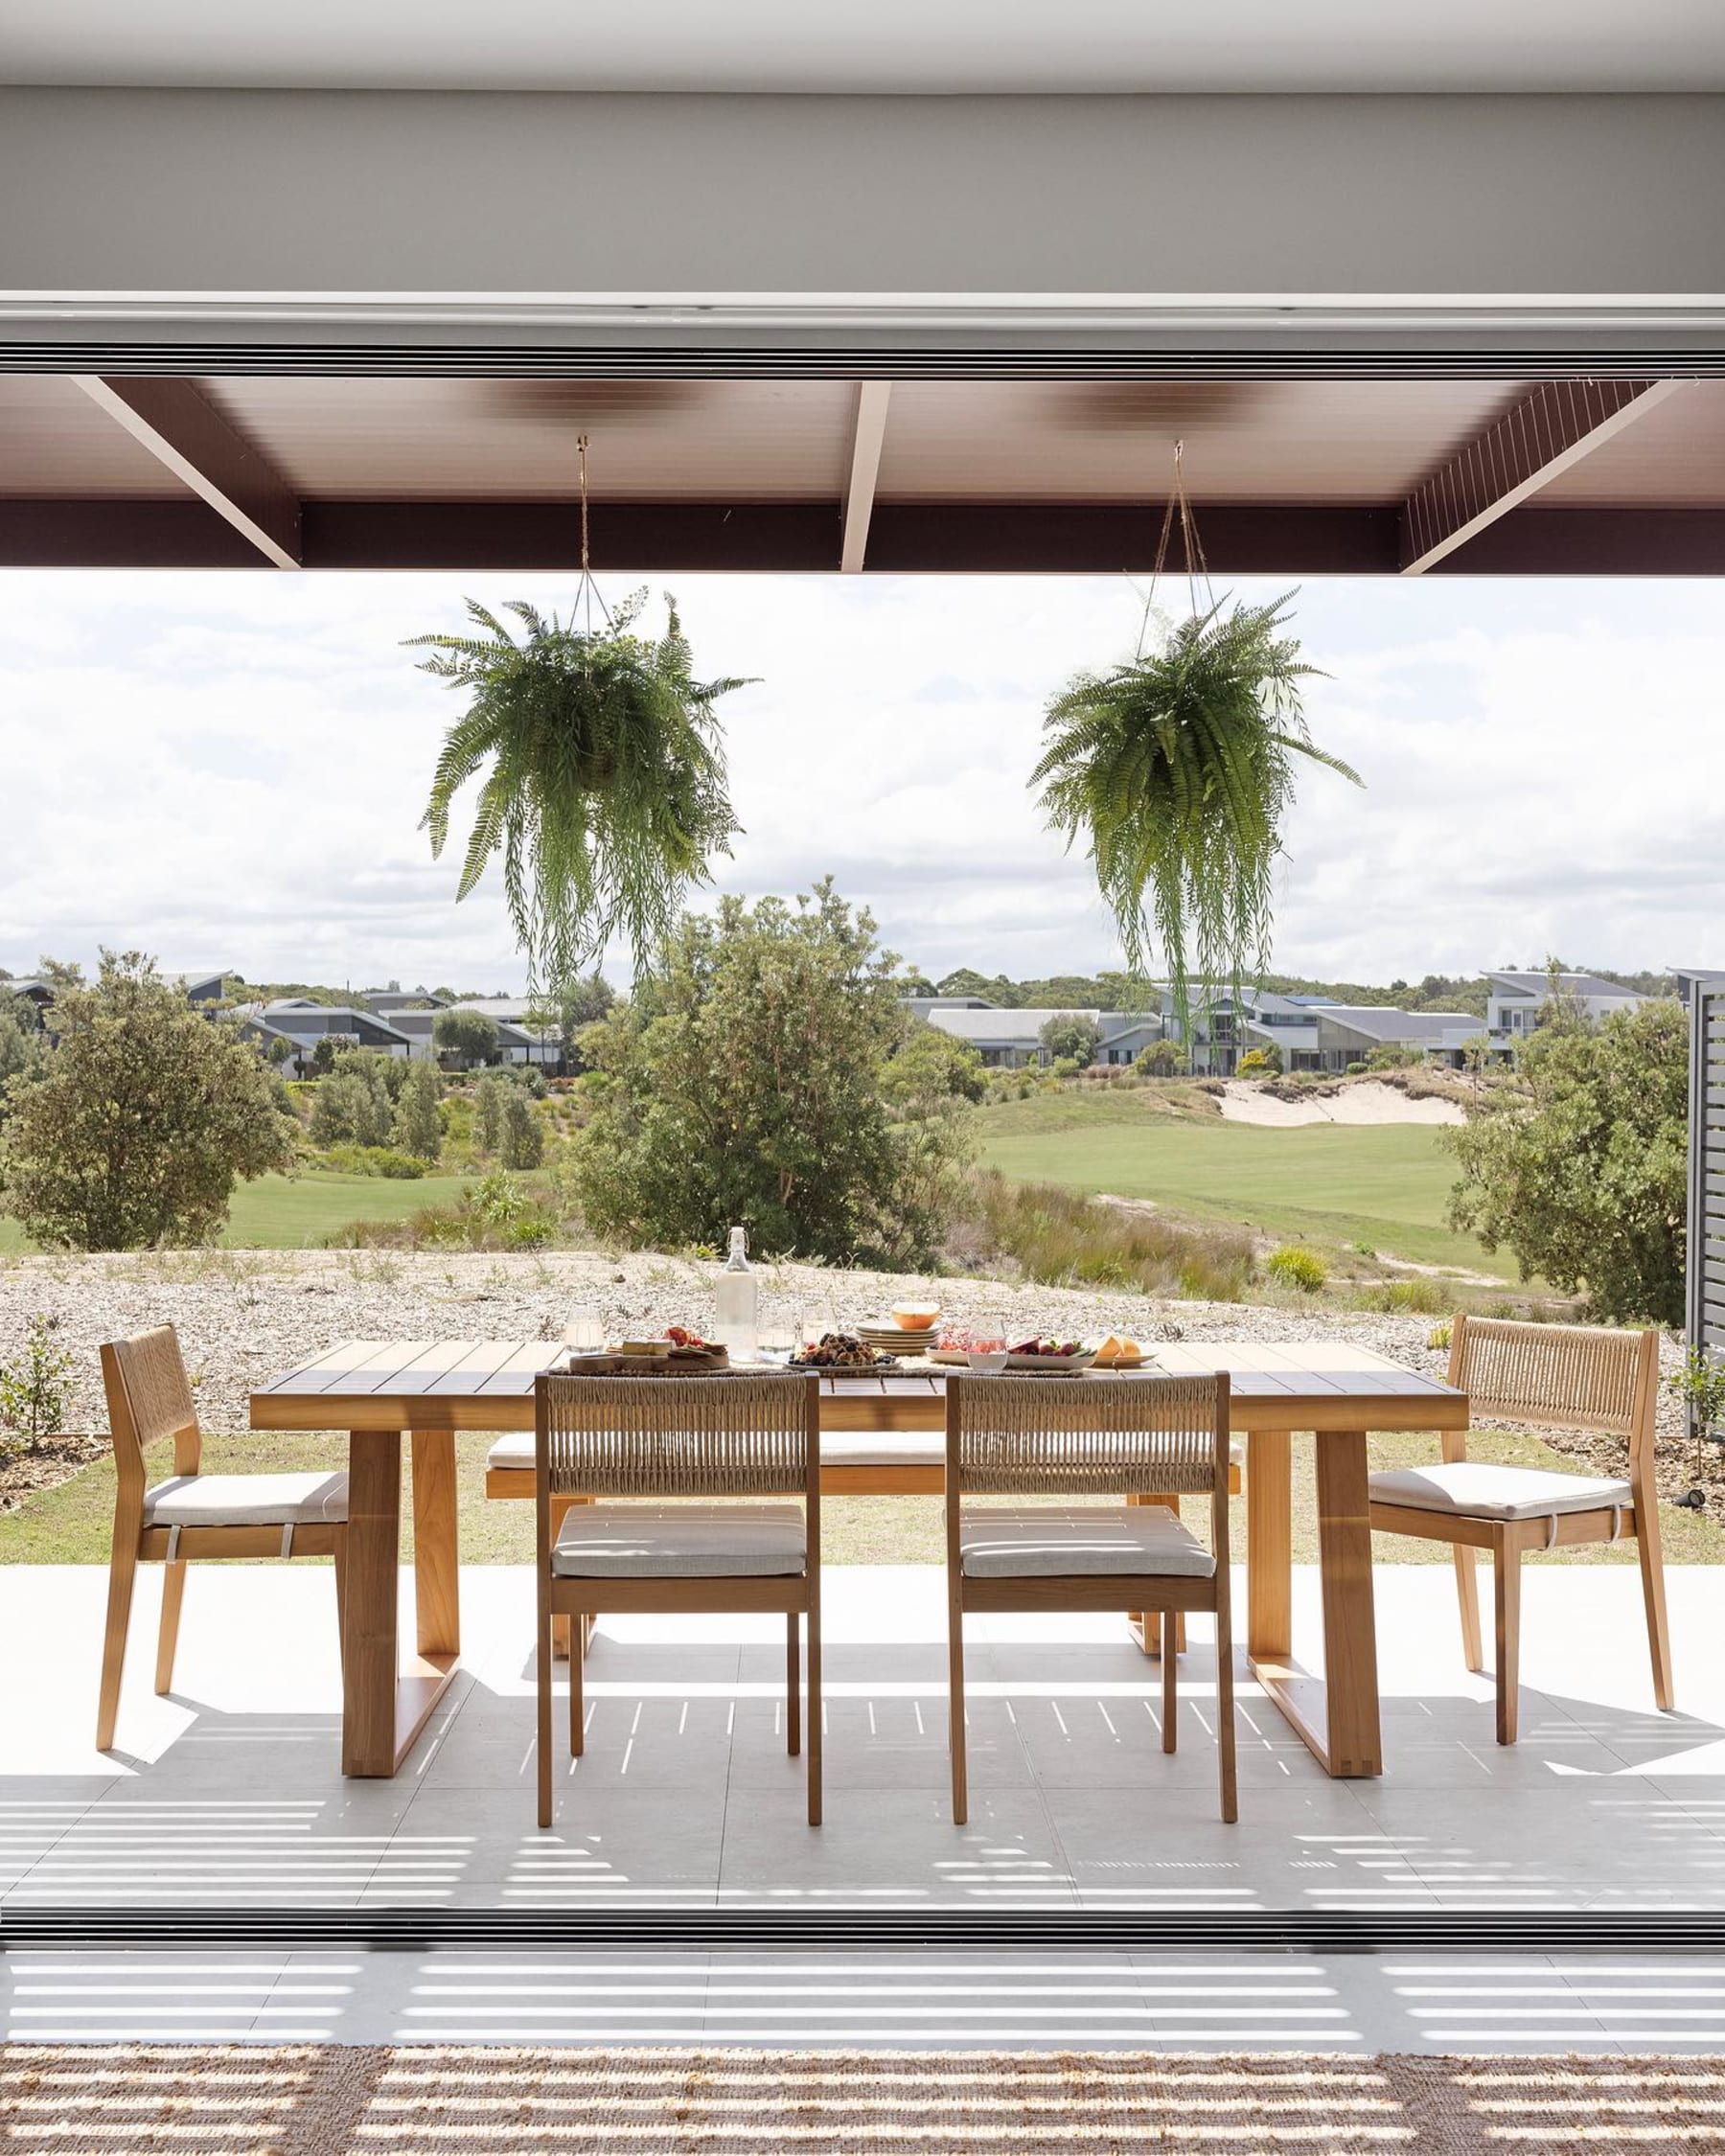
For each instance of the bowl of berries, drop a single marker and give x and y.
(1044, 1353)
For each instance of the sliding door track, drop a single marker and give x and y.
(42, 1928)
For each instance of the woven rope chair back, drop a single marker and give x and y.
(149, 1398)
(1059, 1437)
(675, 1437)
(1576, 1377)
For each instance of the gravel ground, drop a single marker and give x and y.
(244, 1315)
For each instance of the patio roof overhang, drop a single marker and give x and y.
(940, 333)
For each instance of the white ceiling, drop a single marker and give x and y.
(871, 45)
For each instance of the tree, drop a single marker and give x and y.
(351, 1107)
(469, 1037)
(931, 1065)
(579, 1004)
(487, 1112)
(417, 1124)
(1582, 1170)
(743, 1083)
(966, 982)
(521, 1136)
(146, 1116)
(329, 1050)
(23, 1050)
(1071, 1037)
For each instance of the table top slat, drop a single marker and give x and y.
(328, 1372)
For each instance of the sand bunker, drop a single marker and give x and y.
(1365, 1103)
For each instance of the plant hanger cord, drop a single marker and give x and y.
(587, 591)
(1191, 548)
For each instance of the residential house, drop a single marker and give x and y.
(1008, 1040)
(202, 991)
(517, 1043)
(302, 1023)
(1350, 1032)
(1515, 1001)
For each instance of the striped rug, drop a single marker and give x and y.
(328, 2100)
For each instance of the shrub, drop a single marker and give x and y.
(1356, 1070)
(375, 1160)
(36, 1391)
(1408, 1299)
(1162, 1059)
(1293, 1266)
(1442, 1336)
(351, 1107)
(1069, 1036)
(1260, 1063)
(1063, 1238)
(489, 1095)
(144, 1118)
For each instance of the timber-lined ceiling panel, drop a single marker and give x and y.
(55, 442)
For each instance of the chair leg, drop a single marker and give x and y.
(1467, 1595)
(543, 1671)
(1170, 1662)
(792, 1687)
(173, 1594)
(956, 1730)
(122, 1572)
(1225, 1716)
(577, 1692)
(815, 1731)
(1653, 1595)
(1506, 1572)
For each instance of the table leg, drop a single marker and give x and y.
(1270, 1545)
(383, 1708)
(436, 1555)
(374, 1545)
(1146, 1626)
(1355, 1745)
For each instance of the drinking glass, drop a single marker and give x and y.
(584, 1334)
(816, 1318)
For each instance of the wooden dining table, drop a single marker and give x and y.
(425, 1390)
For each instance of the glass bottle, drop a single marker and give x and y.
(737, 1301)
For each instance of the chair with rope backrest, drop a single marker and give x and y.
(715, 1442)
(1565, 1377)
(192, 1515)
(1080, 1438)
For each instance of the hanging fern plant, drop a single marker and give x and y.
(606, 788)
(1176, 771)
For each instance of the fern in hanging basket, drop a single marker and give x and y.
(605, 792)
(1177, 769)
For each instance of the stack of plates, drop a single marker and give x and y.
(887, 1338)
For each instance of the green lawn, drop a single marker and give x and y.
(1385, 1185)
(276, 1213)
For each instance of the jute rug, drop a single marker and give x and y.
(330, 2100)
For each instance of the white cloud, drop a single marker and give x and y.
(231, 770)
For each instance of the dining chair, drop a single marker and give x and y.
(694, 1452)
(1076, 1439)
(192, 1514)
(1565, 1377)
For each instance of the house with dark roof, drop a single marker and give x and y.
(1514, 1000)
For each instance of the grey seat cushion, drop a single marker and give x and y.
(1056, 1541)
(680, 1542)
(1477, 1489)
(246, 1500)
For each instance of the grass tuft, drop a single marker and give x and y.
(1063, 1239)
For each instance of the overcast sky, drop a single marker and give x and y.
(229, 771)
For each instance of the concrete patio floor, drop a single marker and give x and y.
(228, 1793)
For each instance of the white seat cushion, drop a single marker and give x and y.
(1054, 1540)
(1479, 1490)
(246, 1500)
(680, 1540)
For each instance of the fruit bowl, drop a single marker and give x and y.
(915, 1317)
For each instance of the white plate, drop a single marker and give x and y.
(1079, 1362)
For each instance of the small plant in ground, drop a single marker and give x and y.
(1406, 1298)
(1293, 1266)
(1699, 1383)
(1441, 1336)
(35, 1390)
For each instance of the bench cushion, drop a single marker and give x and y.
(246, 1500)
(680, 1542)
(1480, 1490)
(1054, 1540)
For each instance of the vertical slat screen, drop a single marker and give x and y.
(1707, 1167)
